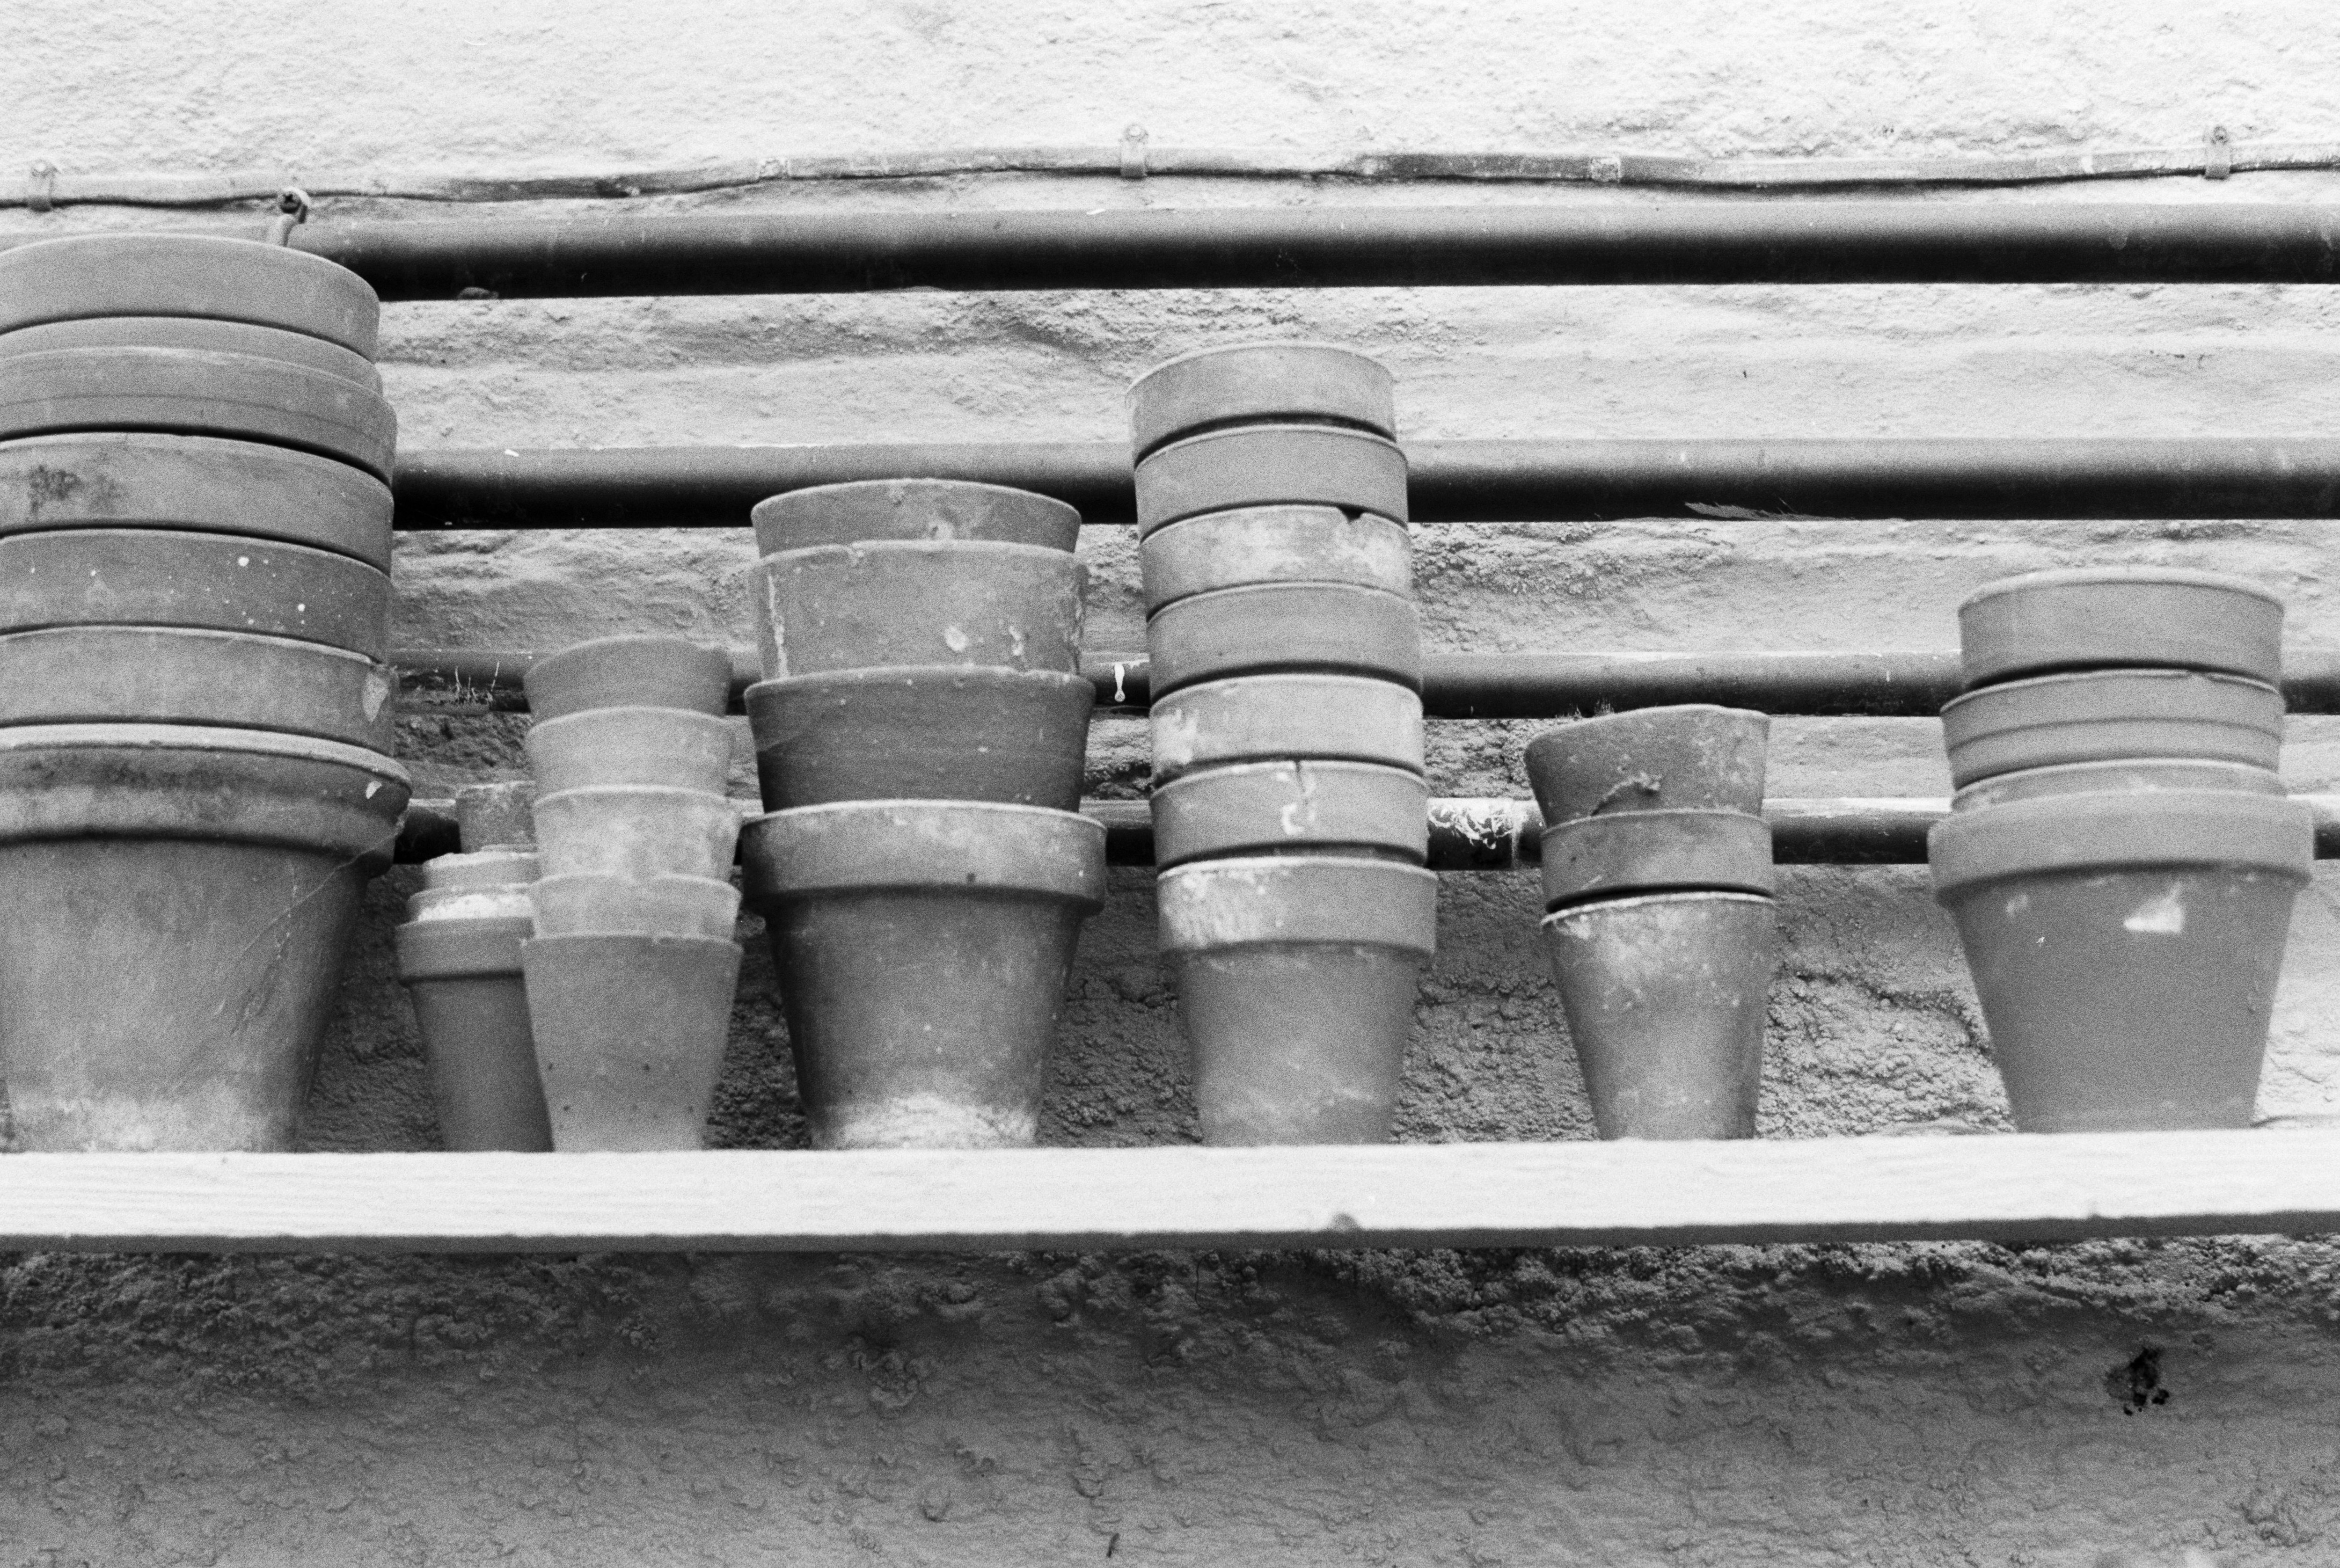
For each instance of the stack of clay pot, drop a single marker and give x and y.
(630, 967)
(923, 870)
(1659, 923)
(1290, 812)
(2121, 858)
(194, 722)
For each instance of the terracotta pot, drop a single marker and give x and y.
(211, 581)
(200, 275)
(1692, 758)
(187, 392)
(1666, 995)
(123, 480)
(1018, 736)
(168, 675)
(470, 1005)
(1655, 851)
(2110, 716)
(912, 509)
(1270, 718)
(2112, 617)
(965, 602)
(1275, 544)
(192, 332)
(921, 949)
(175, 906)
(1296, 979)
(1254, 383)
(2116, 778)
(580, 905)
(629, 1033)
(670, 747)
(1272, 465)
(629, 673)
(498, 868)
(637, 831)
(1356, 808)
(495, 815)
(1329, 627)
(2126, 948)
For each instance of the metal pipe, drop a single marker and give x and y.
(1344, 246)
(1451, 480)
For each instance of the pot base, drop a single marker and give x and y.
(1297, 1042)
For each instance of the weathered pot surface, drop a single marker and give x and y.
(1272, 465)
(629, 1033)
(2111, 715)
(2112, 617)
(629, 673)
(672, 747)
(584, 903)
(636, 830)
(1272, 717)
(507, 902)
(1254, 383)
(891, 603)
(497, 815)
(1316, 628)
(178, 675)
(471, 1004)
(1694, 756)
(912, 509)
(1274, 544)
(201, 275)
(194, 332)
(2116, 778)
(1278, 808)
(1655, 851)
(497, 867)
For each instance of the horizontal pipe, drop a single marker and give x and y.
(1451, 480)
(1345, 246)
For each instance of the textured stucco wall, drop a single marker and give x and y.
(1921, 1406)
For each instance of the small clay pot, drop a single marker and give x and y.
(638, 831)
(192, 332)
(670, 747)
(965, 602)
(1019, 737)
(1270, 718)
(200, 483)
(1692, 758)
(1327, 628)
(629, 1033)
(2114, 616)
(579, 905)
(470, 1005)
(1666, 995)
(921, 949)
(1258, 383)
(1275, 544)
(498, 868)
(629, 673)
(1655, 851)
(2110, 716)
(2116, 778)
(213, 582)
(1296, 979)
(495, 815)
(2126, 948)
(1272, 465)
(201, 275)
(1357, 809)
(912, 509)
(174, 675)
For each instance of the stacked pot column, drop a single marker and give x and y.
(630, 965)
(195, 719)
(2121, 857)
(1658, 888)
(1290, 811)
(922, 868)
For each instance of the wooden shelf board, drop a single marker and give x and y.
(2005, 1188)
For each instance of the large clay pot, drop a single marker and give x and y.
(1274, 544)
(1257, 384)
(210, 581)
(200, 275)
(583, 904)
(921, 949)
(1272, 465)
(671, 748)
(2108, 716)
(1692, 757)
(629, 1033)
(2126, 948)
(1655, 851)
(903, 602)
(1355, 809)
(1329, 628)
(1666, 996)
(912, 509)
(471, 1004)
(1270, 718)
(1018, 736)
(2123, 777)
(169, 675)
(192, 332)
(1296, 979)
(2113, 617)
(643, 671)
(638, 831)
(175, 906)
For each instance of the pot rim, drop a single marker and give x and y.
(2003, 691)
(144, 737)
(1268, 427)
(636, 939)
(1972, 793)
(979, 847)
(2119, 576)
(478, 947)
(2121, 831)
(774, 507)
(1008, 548)
(1205, 906)
(1679, 896)
(603, 792)
(869, 675)
(287, 259)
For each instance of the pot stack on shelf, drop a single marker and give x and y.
(923, 868)
(195, 719)
(1290, 810)
(2121, 857)
(631, 967)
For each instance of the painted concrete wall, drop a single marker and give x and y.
(1919, 1406)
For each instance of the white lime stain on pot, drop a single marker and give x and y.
(2163, 915)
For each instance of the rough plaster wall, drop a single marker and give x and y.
(1921, 1406)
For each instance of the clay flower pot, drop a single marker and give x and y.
(1655, 851)
(1274, 544)
(2108, 716)
(2112, 617)
(1019, 737)
(2126, 948)
(471, 1004)
(629, 1034)
(636, 831)
(587, 904)
(629, 673)
(2116, 778)
(489, 885)
(169, 675)
(1272, 465)
(1666, 996)
(1355, 809)
(1269, 717)
(1694, 756)
(496, 815)
(912, 509)
(669, 748)
(966, 602)
(921, 949)
(211, 581)
(192, 333)
(197, 275)
(1296, 979)
(1329, 627)
(1256, 383)
(175, 906)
